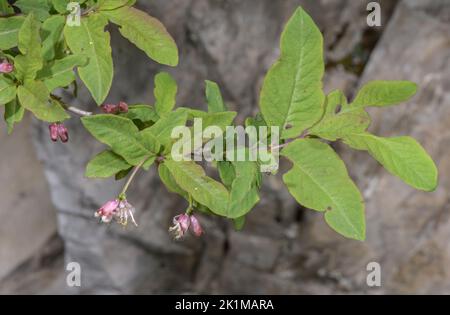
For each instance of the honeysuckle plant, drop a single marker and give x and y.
(41, 53)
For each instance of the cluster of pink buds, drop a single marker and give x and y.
(58, 130)
(6, 67)
(119, 210)
(182, 223)
(115, 109)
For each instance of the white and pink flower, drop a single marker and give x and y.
(182, 223)
(119, 210)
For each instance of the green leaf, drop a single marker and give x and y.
(61, 5)
(40, 8)
(169, 181)
(144, 113)
(61, 72)
(239, 223)
(104, 5)
(13, 114)
(165, 93)
(192, 178)
(402, 156)
(120, 134)
(151, 142)
(106, 164)
(384, 93)
(34, 96)
(91, 40)
(9, 31)
(257, 121)
(7, 91)
(150, 161)
(244, 191)
(214, 98)
(51, 32)
(5, 8)
(122, 174)
(219, 119)
(147, 33)
(30, 62)
(292, 96)
(162, 129)
(337, 123)
(318, 180)
(226, 173)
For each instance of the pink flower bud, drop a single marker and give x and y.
(6, 67)
(53, 128)
(110, 108)
(107, 211)
(195, 226)
(63, 133)
(123, 107)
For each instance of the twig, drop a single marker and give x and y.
(280, 146)
(69, 108)
(78, 111)
(133, 174)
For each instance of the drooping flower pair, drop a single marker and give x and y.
(182, 223)
(115, 109)
(119, 210)
(6, 67)
(58, 130)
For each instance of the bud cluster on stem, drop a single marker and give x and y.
(115, 109)
(58, 130)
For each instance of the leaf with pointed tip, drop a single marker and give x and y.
(292, 96)
(120, 134)
(239, 223)
(13, 114)
(91, 39)
(319, 180)
(165, 93)
(7, 91)
(106, 164)
(146, 32)
(51, 33)
(404, 157)
(192, 178)
(214, 98)
(9, 31)
(384, 93)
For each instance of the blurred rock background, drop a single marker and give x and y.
(47, 204)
